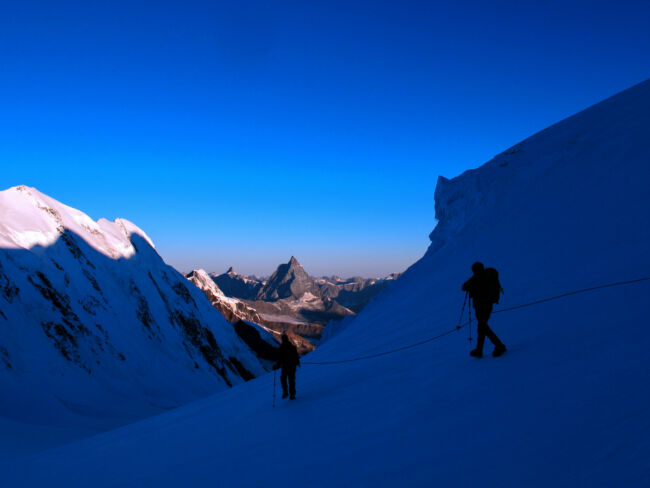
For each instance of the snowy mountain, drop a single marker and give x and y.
(353, 293)
(232, 309)
(289, 301)
(566, 406)
(94, 324)
(281, 318)
(290, 280)
(292, 298)
(235, 285)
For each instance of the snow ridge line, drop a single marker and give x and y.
(458, 327)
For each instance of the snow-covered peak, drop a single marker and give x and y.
(203, 280)
(566, 210)
(29, 218)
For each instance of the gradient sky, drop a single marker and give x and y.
(241, 133)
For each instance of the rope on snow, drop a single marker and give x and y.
(458, 327)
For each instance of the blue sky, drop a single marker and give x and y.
(241, 133)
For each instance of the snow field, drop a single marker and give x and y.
(566, 406)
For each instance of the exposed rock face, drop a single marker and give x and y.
(290, 280)
(278, 318)
(353, 293)
(237, 286)
(91, 314)
(290, 301)
(263, 343)
(233, 309)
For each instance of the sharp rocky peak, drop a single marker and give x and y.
(288, 280)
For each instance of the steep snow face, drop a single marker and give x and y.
(566, 406)
(29, 218)
(93, 323)
(564, 209)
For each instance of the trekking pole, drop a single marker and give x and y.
(462, 311)
(275, 372)
(469, 310)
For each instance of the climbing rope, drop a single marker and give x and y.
(575, 292)
(458, 327)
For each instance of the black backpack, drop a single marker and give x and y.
(493, 288)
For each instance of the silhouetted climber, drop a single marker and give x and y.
(484, 290)
(288, 360)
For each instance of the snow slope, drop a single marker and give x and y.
(95, 329)
(568, 405)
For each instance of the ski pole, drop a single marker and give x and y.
(462, 311)
(275, 372)
(469, 310)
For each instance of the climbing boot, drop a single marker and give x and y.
(498, 350)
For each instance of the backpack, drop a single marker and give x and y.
(493, 288)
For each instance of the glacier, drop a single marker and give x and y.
(568, 404)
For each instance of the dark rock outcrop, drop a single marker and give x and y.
(237, 286)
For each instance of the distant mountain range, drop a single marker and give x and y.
(235, 285)
(290, 300)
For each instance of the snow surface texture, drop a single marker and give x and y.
(95, 329)
(568, 404)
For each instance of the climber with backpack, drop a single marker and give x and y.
(288, 361)
(484, 291)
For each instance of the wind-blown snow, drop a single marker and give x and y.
(567, 405)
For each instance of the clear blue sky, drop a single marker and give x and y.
(241, 133)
